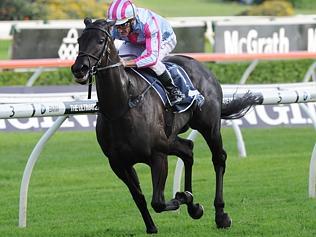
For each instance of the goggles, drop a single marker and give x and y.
(124, 25)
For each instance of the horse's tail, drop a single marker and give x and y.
(238, 107)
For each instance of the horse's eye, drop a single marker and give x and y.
(101, 41)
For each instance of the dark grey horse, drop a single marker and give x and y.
(139, 134)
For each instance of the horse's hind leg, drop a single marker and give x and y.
(128, 175)
(183, 148)
(214, 140)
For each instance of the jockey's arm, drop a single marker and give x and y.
(152, 41)
(149, 57)
(151, 53)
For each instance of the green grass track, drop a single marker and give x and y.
(73, 192)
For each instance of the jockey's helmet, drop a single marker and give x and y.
(121, 11)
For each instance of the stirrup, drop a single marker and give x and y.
(176, 92)
(175, 100)
(175, 96)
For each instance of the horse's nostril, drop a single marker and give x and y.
(84, 68)
(79, 69)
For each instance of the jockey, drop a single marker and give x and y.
(151, 34)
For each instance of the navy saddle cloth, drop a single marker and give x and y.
(180, 79)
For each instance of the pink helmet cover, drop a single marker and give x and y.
(121, 11)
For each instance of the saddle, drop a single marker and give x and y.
(180, 79)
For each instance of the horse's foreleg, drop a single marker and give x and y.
(183, 148)
(219, 156)
(159, 172)
(129, 177)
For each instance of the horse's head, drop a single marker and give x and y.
(93, 46)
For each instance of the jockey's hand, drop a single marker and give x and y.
(128, 63)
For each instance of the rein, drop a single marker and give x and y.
(109, 66)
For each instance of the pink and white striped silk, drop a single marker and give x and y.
(148, 31)
(121, 11)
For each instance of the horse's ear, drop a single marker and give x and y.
(110, 23)
(87, 21)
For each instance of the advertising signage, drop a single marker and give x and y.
(46, 41)
(261, 116)
(262, 37)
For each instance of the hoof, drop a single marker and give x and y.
(195, 211)
(152, 230)
(184, 197)
(223, 221)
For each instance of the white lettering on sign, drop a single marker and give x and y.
(251, 118)
(2, 124)
(69, 48)
(297, 116)
(36, 123)
(82, 107)
(82, 120)
(234, 44)
(28, 124)
(53, 109)
(47, 122)
(281, 118)
(311, 40)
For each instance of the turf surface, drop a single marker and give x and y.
(73, 192)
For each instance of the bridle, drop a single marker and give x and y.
(105, 52)
(93, 69)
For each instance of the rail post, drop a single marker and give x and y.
(312, 175)
(29, 168)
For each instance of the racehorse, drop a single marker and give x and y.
(131, 123)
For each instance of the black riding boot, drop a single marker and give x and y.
(175, 95)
